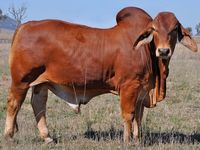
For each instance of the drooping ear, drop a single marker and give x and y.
(186, 39)
(145, 37)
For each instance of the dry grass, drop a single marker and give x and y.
(4, 49)
(173, 124)
(6, 34)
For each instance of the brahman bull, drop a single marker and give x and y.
(77, 63)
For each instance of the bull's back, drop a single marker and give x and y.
(65, 51)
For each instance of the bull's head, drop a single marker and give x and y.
(163, 32)
(165, 29)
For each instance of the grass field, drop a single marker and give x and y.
(173, 124)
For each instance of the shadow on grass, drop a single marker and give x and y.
(111, 134)
(152, 138)
(147, 139)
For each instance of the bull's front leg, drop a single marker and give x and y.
(128, 95)
(38, 102)
(137, 120)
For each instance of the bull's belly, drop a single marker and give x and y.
(73, 96)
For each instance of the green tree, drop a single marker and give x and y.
(1, 12)
(1, 15)
(198, 28)
(190, 30)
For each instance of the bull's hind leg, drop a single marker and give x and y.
(15, 99)
(38, 102)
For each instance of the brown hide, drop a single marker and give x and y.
(78, 62)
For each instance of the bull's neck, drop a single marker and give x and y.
(130, 32)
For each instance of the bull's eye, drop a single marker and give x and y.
(173, 34)
(173, 31)
(176, 28)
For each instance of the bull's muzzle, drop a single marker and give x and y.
(164, 53)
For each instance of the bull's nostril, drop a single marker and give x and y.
(167, 51)
(164, 51)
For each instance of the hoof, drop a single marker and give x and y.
(8, 136)
(8, 139)
(136, 141)
(48, 140)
